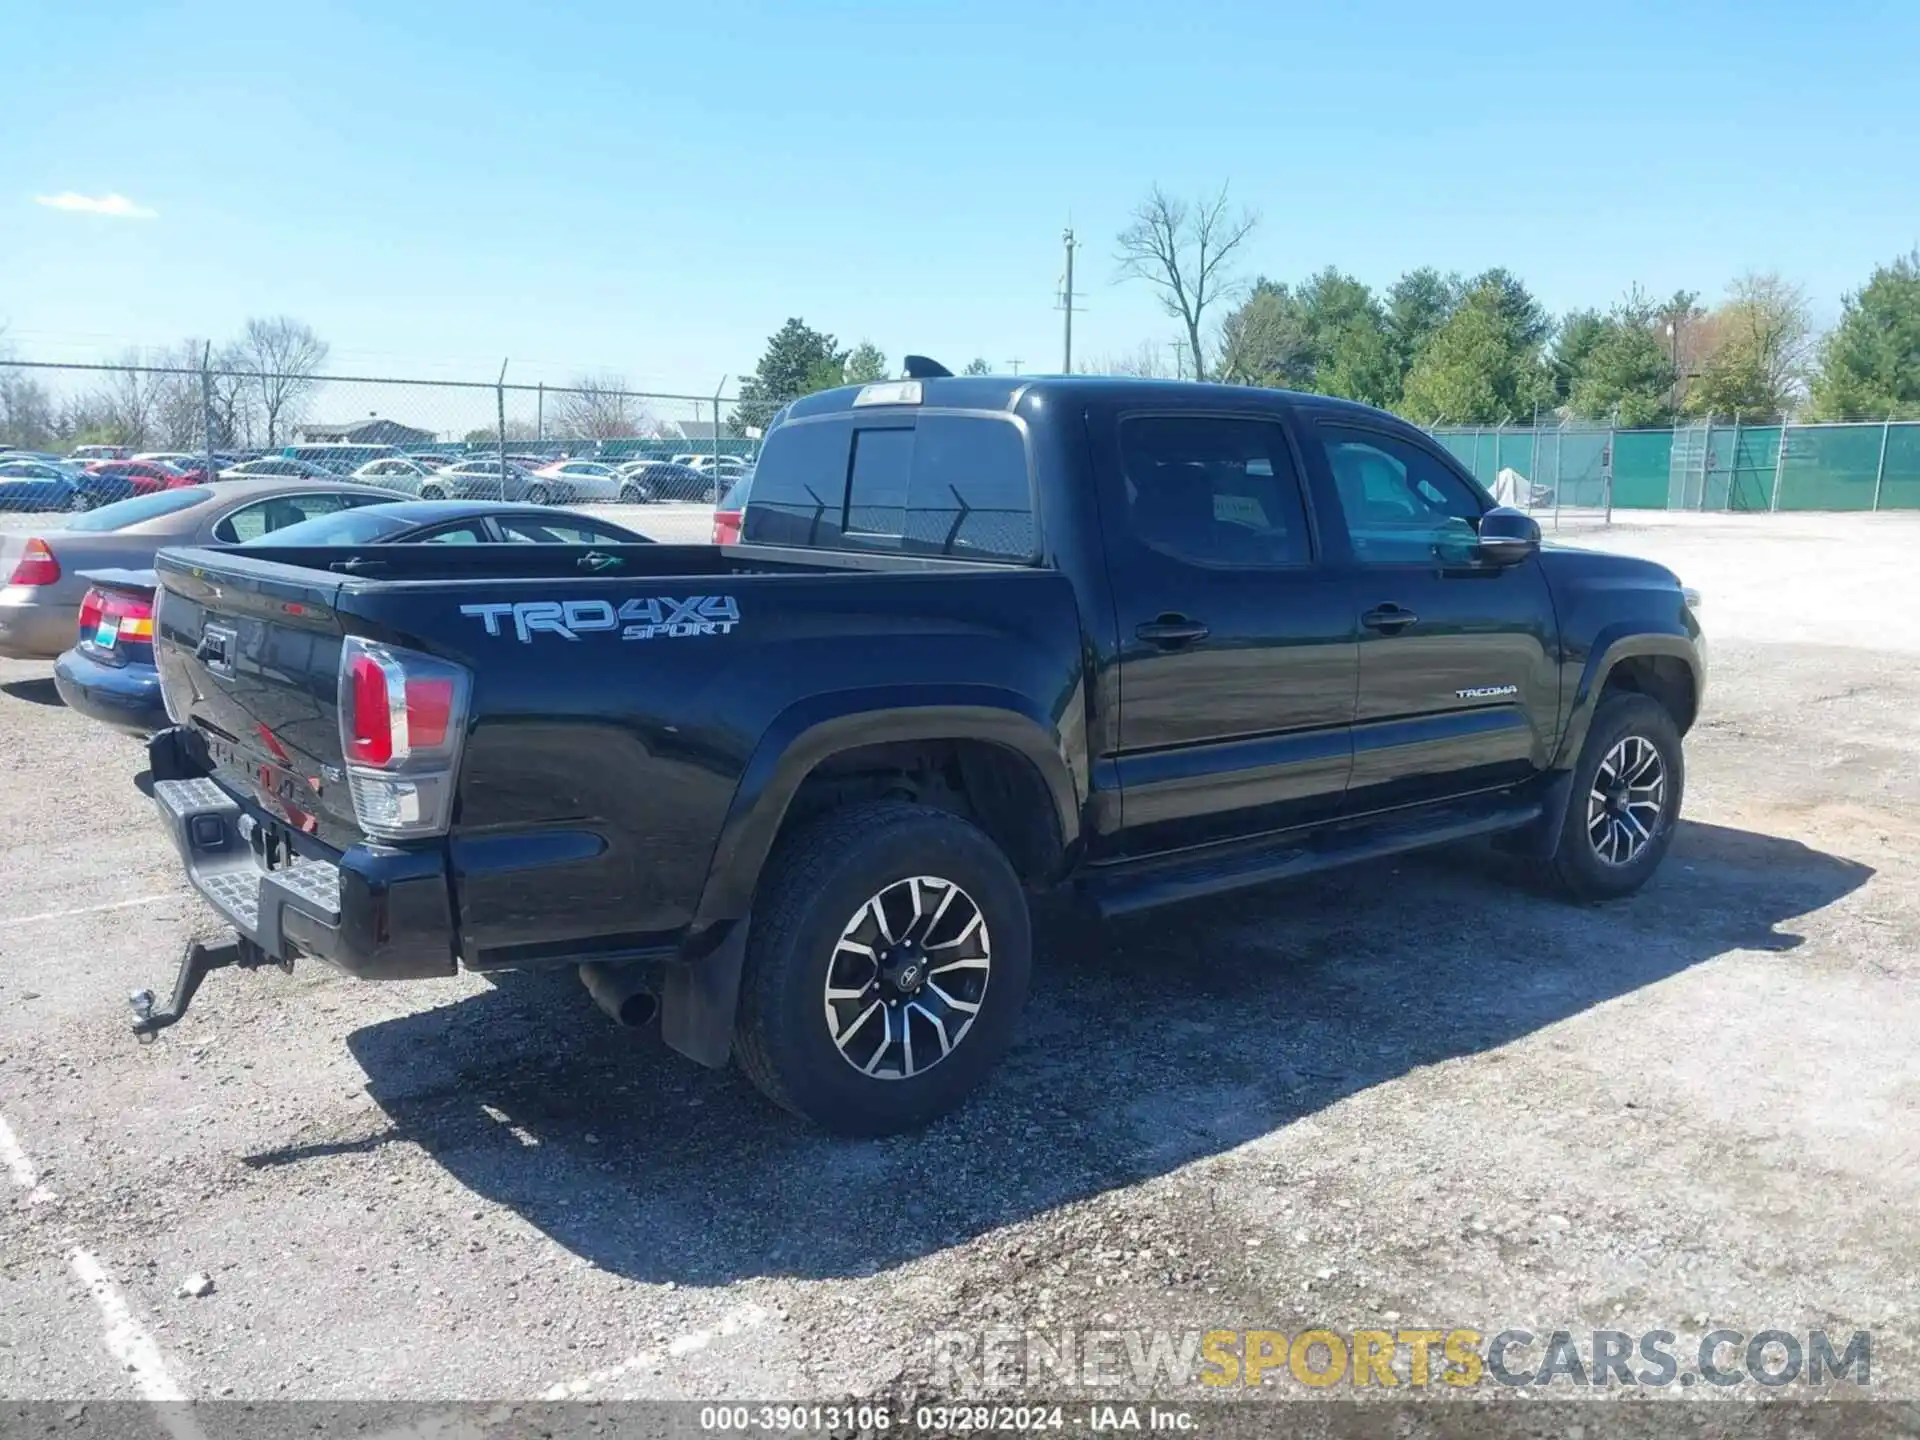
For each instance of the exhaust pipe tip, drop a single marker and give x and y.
(622, 992)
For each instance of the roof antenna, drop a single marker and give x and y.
(919, 367)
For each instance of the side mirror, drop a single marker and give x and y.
(1507, 537)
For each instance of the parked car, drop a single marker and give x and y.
(450, 522)
(728, 514)
(570, 481)
(41, 569)
(725, 466)
(477, 479)
(101, 452)
(1124, 641)
(177, 459)
(142, 477)
(399, 472)
(28, 485)
(339, 457)
(276, 466)
(667, 481)
(109, 674)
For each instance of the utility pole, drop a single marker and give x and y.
(1014, 365)
(1066, 305)
(1179, 359)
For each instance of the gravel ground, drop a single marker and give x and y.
(1417, 1093)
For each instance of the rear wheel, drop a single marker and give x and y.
(77, 500)
(887, 961)
(634, 494)
(537, 494)
(1627, 787)
(433, 492)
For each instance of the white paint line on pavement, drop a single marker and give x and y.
(130, 1344)
(83, 910)
(20, 1167)
(747, 1317)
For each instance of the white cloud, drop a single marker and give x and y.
(118, 206)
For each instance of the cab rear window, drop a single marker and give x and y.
(932, 484)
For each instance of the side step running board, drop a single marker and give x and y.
(1125, 889)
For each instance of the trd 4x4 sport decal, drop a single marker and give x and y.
(659, 617)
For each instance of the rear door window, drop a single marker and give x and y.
(933, 484)
(277, 512)
(1214, 490)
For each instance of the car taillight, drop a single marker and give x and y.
(36, 566)
(726, 526)
(403, 718)
(108, 617)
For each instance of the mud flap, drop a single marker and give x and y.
(1539, 838)
(698, 999)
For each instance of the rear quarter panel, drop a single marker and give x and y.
(600, 771)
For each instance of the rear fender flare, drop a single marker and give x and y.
(819, 727)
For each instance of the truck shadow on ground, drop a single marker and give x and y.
(1145, 1046)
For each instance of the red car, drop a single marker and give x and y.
(731, 511)
(147, 476)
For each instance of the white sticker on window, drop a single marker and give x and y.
(1239, 510)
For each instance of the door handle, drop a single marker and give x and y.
(1389, 619)
(1171, 631)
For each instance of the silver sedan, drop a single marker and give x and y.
(40, 599)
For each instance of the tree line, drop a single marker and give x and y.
(1481, 349)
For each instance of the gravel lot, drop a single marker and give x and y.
(1416, 1094)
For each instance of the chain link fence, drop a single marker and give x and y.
(73, 437)
(1707, 465)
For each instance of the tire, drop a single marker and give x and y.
(78, 501)
(831, 869)
(537, 494)
(433, 492)
(1626, 729)
(635, 495)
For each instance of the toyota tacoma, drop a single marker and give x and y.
(1122, 642)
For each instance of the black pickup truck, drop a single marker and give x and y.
(1125, 642)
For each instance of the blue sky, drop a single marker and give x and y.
(652, 189)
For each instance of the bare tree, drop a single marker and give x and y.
(1146, 362)
(599, 407)
(1186, 253)
(231, 393)
(27, 415)
(283, 356)
(128, 400)
(179, 411)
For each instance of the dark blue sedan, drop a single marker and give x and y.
(32, 485)
(109, 675)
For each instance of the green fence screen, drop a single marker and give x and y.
(1729, 467)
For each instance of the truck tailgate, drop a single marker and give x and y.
(249, 660)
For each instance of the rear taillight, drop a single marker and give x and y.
(726, 527)
(107, 618)
(36, 566)
(403, 716)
